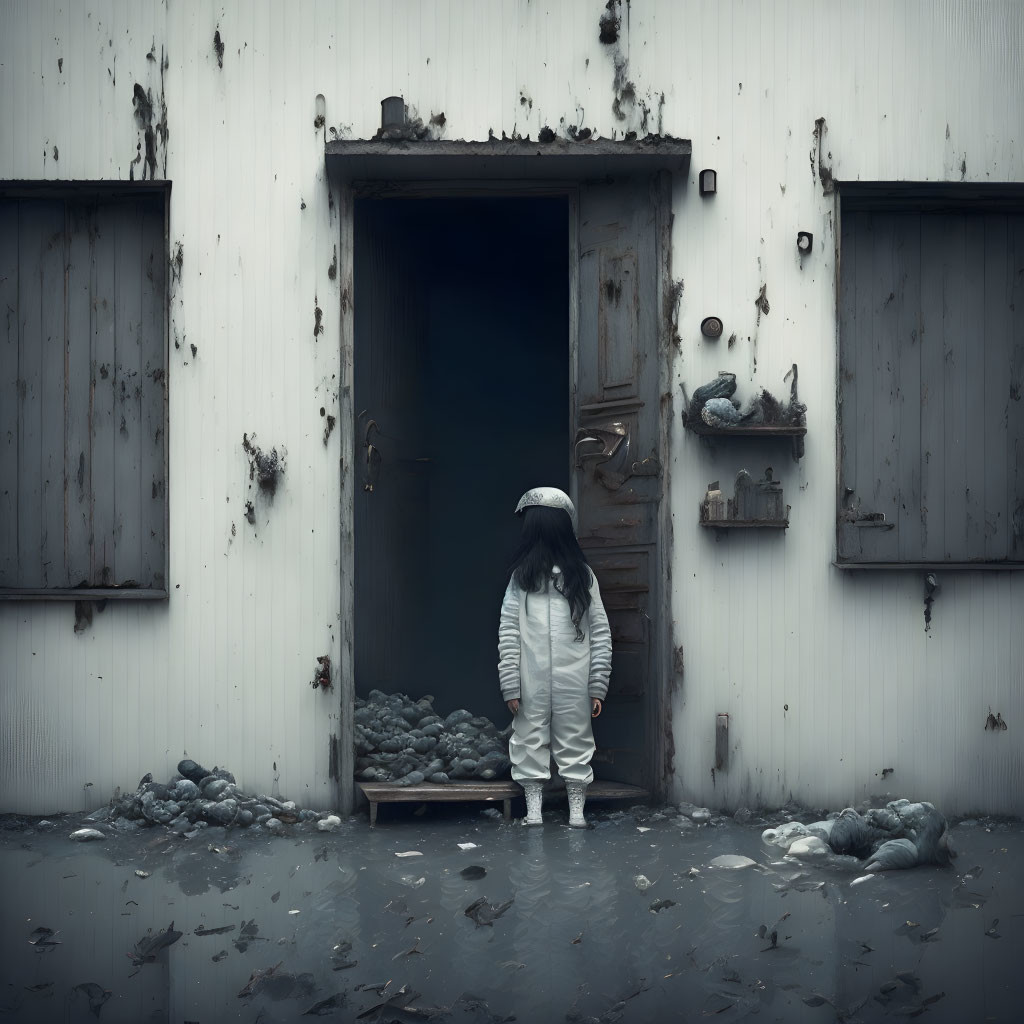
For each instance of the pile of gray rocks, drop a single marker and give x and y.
(404, 741)
(196, 797)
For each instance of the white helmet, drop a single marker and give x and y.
(552, 497)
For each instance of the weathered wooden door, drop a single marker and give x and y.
(390, 487)
(615, 456)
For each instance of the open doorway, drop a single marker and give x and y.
(462, 402)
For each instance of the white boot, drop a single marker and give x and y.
(534, 792)
(577, 796)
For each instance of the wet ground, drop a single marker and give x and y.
(366, 924)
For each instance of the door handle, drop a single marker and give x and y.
(372, 457)
(607, 438)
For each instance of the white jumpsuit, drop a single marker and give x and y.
(554, 677)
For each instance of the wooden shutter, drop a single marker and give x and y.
(83, 377)
(931, 374)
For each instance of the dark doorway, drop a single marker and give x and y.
(462, 402)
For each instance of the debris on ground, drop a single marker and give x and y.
(902, 834)
(401, 740)
(43, 939)
(148, 948)
(84, 835)
(196, 797)
(485, 913)
(96, 994)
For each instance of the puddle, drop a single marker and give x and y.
(338, 924)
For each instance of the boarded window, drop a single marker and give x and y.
(931, 378)
(83, 481)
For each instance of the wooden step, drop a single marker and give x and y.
(504, 790)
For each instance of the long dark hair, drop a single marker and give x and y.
(548, 540)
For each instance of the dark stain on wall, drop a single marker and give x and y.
(608, 25)
(819, 168)
(334, 759)
(218, 47)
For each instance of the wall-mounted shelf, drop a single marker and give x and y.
(746, 524)
(751, 430)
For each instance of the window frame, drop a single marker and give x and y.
(901, 197)
(84, 191)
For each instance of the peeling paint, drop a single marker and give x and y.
(608, 25)
(819, 169)
(265, 467)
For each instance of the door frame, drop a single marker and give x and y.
(344, 193)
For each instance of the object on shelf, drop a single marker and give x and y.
(720, 412)
(754, 503)
(723, 386)
(714, 410)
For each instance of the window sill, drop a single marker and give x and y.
(84, 594)
(931, 566)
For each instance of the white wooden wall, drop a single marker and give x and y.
(927, 90)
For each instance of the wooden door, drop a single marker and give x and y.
(615, 456)
(390, 487)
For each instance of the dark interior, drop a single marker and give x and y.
(462, 364)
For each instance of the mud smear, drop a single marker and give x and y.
(753, 936)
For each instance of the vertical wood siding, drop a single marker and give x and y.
(931, 348)
(83, 389)
(827, 679)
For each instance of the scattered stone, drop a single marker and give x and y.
(84, 835)
(642, 882)
(742, 815)
(733, 862)
(809, 848)
(401, 740)
(700, 816)
(329, 824)
(197, 797)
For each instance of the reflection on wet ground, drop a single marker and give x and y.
(455, 915)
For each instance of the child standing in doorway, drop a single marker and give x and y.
(555, 653)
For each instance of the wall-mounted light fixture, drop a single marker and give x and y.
(711, 327)
(707, 180)
(804, 242)
(392, 112)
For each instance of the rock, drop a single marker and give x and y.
(244, 818)
(274, 825)
(439, 778)
(642, 882)
(700, 816)
(329, 824)
(223, 812)
(742, 815)
(191, 770)
(85, 835)
(412, 779)
(809, 848)
(214, 788)
(733, 862)
(184, 789)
